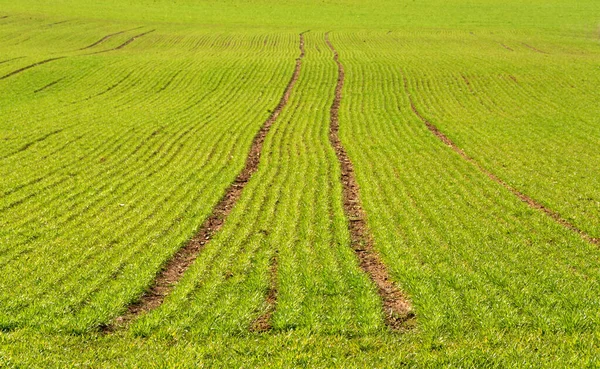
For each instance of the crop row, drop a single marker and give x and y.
(119, 163)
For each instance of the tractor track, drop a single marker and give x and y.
(526, 199)
(397, 309)
(175, 268)
(124, 43)
(23, 69)
(534, 49)
(106, 38)
(31, 66)
(48, 85)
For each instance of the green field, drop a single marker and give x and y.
(473, 130)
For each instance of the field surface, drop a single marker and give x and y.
(300, 184)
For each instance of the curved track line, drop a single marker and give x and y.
(8, 60)
(396, 307)
(31, 66)
(528, 200)
(106, 38)
(29, 144)
(534, 49)
(174, 269)
(263, 322)
(48, 85)
(124, 43)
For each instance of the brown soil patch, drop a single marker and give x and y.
(124, 43)
(9, 60)
(506, 47)
(528, 200)
(263, 322)
(174, 269)
(48, 85)
(534, 49)
(30, 66)
(106, 38)
(31, 143)
(396, 307)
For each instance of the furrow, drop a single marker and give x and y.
(106, 38)
(523, 197)
(397, 309)
(181, 261)
(9, 60)
(534, 48)
(29, 144)
(124, 43)
(48, 85)
(31, 66)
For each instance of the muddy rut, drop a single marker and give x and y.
(397, 309)
(526, 199)
(175, 268)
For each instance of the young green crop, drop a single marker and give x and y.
(102, 194)
(122, 123)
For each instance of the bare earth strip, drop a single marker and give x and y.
(534, 49)
(124, 43)
(263, 322)
(175, 268)
(397, 309)
(106, 38)
(48, 85)
(30, 66)
(8, 60)
(528, 200)
(29, 144)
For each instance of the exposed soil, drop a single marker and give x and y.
(263, 322)
(528, 200)
(30, 66)
(506, 47)
(166, 85)
(174, 269)
(48, 85)
(106, 38)
(8, 60)
(112, 87)
(31, 143)
(124, 43)
(56, 23)
(396, 307)
(534, 49)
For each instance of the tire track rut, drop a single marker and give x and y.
(124, 43)
(31, 66)
(106, 38)
(526, 199)
(396, 307)
(175, 268)
(48, 85)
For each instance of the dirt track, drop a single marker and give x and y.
(528, 200)
(106, 38)
(31, 66)
(175, 268)
(397, 309)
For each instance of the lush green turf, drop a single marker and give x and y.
(110, 161)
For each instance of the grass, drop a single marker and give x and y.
(112, 157)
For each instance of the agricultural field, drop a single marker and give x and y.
(202, 183)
